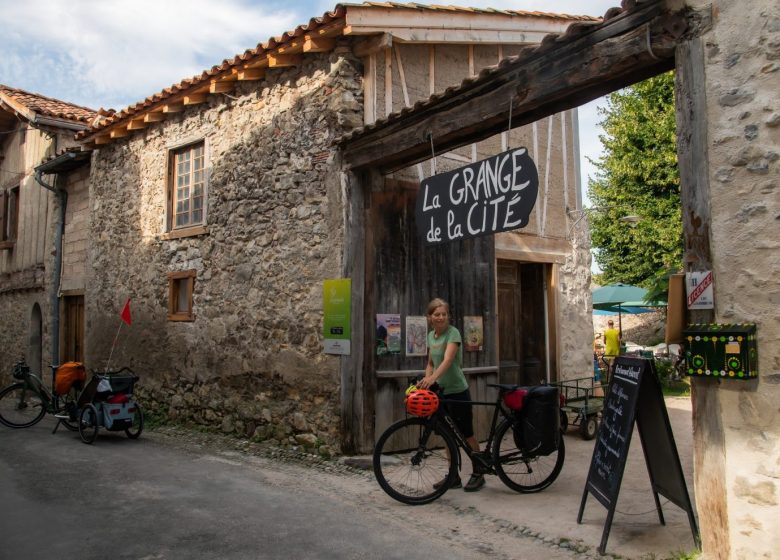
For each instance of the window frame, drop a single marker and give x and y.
(174, 292)
(9, 216)
(172, 231)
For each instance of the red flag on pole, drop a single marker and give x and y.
(125, 315)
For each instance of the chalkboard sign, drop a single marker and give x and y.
(489, 196)
(634, 395)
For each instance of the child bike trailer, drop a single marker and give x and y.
(107, 402)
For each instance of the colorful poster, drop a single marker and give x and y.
(336, 306)
(416, 336)
(473, 333)
(388, 334)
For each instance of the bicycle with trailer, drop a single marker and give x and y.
(27, 400)
(417, 459)
(107, 402)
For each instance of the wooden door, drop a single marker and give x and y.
(522, 322)
(72, 347)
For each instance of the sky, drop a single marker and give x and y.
(113, 53)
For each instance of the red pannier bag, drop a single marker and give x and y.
(68, 375)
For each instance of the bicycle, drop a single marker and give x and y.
(417, 459)
(25, 402)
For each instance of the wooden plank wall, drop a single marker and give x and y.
(18, 170)
(405, 275)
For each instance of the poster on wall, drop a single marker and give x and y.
(473, 333)
(336, 306)
(416, 336)
(388, 334)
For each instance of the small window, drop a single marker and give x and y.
(180, 287)
(9, 217)
(187, 187)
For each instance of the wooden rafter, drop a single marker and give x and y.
(195, 98)
(314, 44)
(119, 132)
(157, 116)
(137, 124)
(564, 72)
(250, 74)
(173, 107)
(221, 87)
(283, 60)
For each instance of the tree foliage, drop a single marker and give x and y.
(637, 175)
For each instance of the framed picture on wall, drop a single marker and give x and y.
(473, 333)
(416, 336)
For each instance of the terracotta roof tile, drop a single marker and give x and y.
(49, 107)
(263, 49)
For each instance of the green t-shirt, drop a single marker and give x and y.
(453, 380)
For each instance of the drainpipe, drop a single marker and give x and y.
(62, 195)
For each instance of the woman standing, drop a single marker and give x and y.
(445, 367)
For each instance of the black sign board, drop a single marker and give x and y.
(635, 395)
(489, 196)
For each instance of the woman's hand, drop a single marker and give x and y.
(426, 382)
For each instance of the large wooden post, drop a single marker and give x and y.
(708, 435)
(358, 382)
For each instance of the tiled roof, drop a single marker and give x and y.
(334, 18)
(49, 107)
(463, 9)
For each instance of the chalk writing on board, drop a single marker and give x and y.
(489, 196)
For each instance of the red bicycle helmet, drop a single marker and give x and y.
(421, 402)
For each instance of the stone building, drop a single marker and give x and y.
(219, 208)
(40, 288)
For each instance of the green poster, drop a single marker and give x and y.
(336, 305)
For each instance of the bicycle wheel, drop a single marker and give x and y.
(411, 457)
(88, 423)
(520, 471)
(67, 409)
(20, 406)
(138, 423)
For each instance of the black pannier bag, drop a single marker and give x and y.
(540, 420)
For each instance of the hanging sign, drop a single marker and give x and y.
(336, 305)
(489, 196)
(699, 289)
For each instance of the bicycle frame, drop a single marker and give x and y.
(482, 457)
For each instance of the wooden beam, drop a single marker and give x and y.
(250, 74)
(137, 124)
(283, 60)
(177, 107)
(119, 133)
(221, 87)
(373, 44)
(563, 73)
(156, 116)
(195, 98)
(102, 139)
(318, 44)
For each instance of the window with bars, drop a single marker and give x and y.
(187, 189)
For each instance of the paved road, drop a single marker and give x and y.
(161, 498)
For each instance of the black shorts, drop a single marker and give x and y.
(461, 411)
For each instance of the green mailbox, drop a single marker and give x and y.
(722, 351)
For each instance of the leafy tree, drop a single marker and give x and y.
(637, 175)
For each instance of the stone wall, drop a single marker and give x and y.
(742, 68)
(251, 362)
